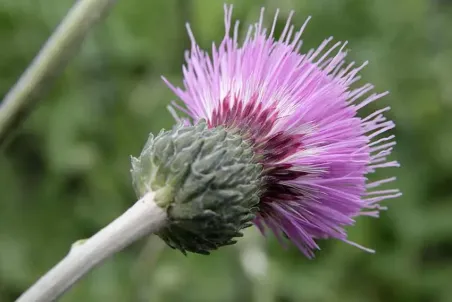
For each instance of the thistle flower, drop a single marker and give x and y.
(272, 138)
(297, 115)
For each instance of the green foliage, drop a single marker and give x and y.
(66, 173)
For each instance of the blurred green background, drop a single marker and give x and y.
(66, 172)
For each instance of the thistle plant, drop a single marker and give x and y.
(298, 114)
(265, 136)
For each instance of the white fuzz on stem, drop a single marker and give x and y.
(143, 218)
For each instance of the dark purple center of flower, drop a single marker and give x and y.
(256, 123)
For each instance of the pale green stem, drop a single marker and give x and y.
(49, 62)
(143, 218)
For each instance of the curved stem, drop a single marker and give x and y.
(143, 218)
(52, 58)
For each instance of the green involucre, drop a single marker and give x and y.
(207, 180)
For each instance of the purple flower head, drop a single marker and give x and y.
(300, 115)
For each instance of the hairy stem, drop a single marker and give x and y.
(49, 62)
(143, 218)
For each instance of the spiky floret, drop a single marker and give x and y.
(300, 114)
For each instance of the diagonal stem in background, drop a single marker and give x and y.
(49, 62)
